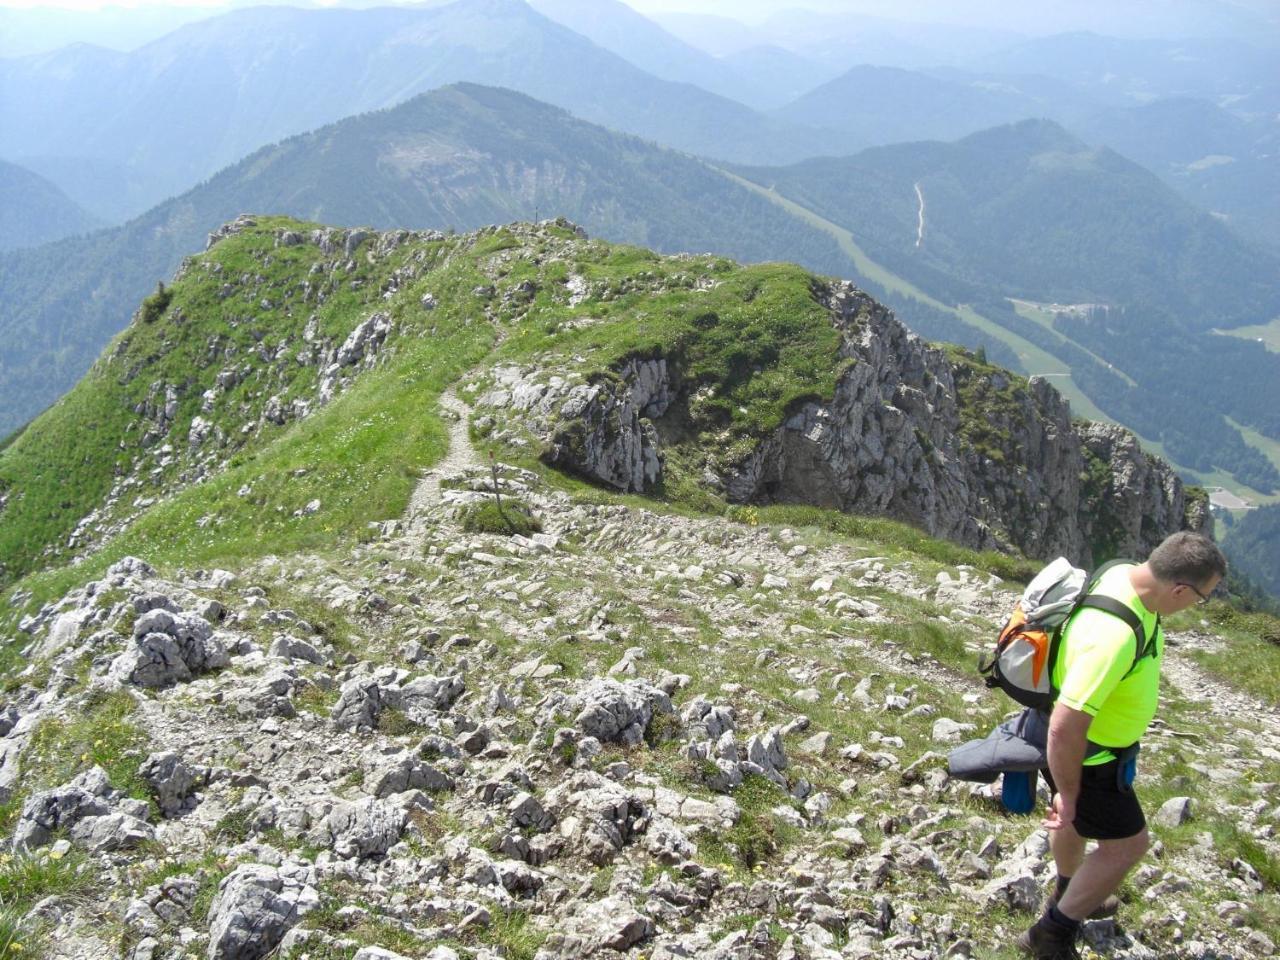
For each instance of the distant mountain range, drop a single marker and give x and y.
(762, 76)
(883, 105)
(1029, 211)
(41, 29)
(1124, 68)
(86, 118)
(34, 211)
(1025, 210)
(178, 109)
(1035, 212)
(460, 157)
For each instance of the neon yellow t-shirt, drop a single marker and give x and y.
(1097, 651)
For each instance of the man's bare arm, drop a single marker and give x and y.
(1068, 742)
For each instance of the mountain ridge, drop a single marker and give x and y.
(400, 51)
(33, 211)
(300, 668)
(196, 377)
(610, 181)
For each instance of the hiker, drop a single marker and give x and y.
(1104, 704)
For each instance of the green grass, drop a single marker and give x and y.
(19, 937)
(360, 455)
(513, 934)
(760, 336)
(1249, 658)
(26, 878)
(101, 735)
(1267, 333)
(758, 837)
(510, 518)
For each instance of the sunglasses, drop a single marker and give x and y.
(1196, 590)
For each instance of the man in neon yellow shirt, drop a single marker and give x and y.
(1105, 702)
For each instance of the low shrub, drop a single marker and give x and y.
(511, 518)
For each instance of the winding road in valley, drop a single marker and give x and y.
(919, 217)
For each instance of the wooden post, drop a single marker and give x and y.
(497, 492)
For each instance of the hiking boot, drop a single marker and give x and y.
(1108, 908)
(1045, 944)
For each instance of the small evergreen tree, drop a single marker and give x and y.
(154, 306)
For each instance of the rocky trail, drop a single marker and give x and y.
(460, 457)
(631, 735)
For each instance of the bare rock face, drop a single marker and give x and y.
(603, 429)
(614, 712)
(965, 453)
(367, 828)
(169, 648)
(606, 430)
(51, 810)
(254, 908)
(171, 779)
(1143, 500)
(96, 815)
(611, 925)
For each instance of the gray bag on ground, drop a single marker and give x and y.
(1019, 743)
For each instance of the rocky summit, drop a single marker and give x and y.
(353, 639)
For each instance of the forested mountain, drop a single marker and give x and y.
(1217, 159)
(1123, 68)
(1175, 132)
(1033, 211)
(1028, 211)
(883, 105)
(1242, 190)
(1253, 546)
(459, 157)
(33, 211)
(208, 81)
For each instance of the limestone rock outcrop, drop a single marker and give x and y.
(960, 449)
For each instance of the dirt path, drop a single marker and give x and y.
(461, 456)
(1228, 703)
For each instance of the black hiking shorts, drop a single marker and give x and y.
(1105, 810)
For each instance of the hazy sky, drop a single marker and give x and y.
(1258, 20)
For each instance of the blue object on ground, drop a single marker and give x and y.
(1018, 790)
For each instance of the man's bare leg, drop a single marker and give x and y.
(1068, 850)
(1101, 872)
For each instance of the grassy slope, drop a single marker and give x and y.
(1266, 333)
(758, 335)
(359, 455)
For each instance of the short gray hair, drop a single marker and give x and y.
(1187, 557)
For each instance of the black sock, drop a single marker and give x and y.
(1062, 887)
(1055, 919)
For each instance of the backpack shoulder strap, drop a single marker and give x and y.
(1111, 605)
(1096, 575)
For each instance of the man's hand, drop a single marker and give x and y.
(1062, 812)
